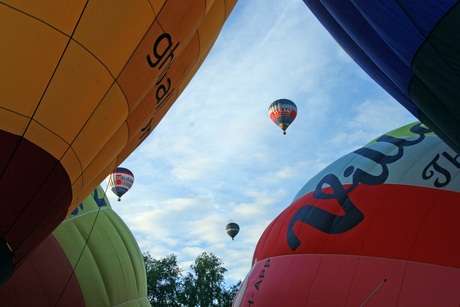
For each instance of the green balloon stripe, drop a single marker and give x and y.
(111, 269)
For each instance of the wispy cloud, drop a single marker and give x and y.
(217, 158)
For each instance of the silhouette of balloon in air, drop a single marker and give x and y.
(232, 229)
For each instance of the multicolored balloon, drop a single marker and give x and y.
(91, 259)
(378, 226)
(120, 181)
(410, 48)
(232, 229)
(101, 76)
(282, 112)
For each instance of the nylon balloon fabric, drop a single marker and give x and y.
(410, 48)
(379, 225)
(91, 259)
(101, 76)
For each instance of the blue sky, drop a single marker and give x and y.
(216, 157)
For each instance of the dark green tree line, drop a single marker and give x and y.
(202, 286)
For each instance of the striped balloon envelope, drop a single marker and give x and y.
(377, 227)
(282, 112)
(83, 84)
(120, 181)
(232, 229)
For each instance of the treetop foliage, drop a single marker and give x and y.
(202, 286)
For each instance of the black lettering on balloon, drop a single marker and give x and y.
(146, 130)
(259, 282)
(439, 170)
(427, 173)
(330, 223)
(162, 95)
(323, 220)
(159, 55)
(451, 159)
(262, 274)
(163, 58)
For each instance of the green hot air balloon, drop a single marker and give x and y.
(91, 259)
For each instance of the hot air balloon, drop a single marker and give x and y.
(282, 112)
(378, 226)
(120, 181)
(410, 48)
(110, 272)
(101, 76)
(232, 229)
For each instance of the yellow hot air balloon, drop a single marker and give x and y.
(82, 84)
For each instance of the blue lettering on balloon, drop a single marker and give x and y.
(330, 223)
(99, 201)
(80, 207)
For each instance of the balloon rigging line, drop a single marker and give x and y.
(128, 302)
(84, 247)
(75, 217)
(374, 291)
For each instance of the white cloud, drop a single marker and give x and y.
(216, 157)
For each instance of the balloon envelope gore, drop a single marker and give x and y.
(81, 102)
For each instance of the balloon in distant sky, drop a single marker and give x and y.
(109, 270)
(282, 112)
(120, 181)
(378, 225)
(410, 48)
(83, 83)
(232, 229)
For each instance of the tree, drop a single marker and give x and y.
(203, 286)
(228, 295)
(163, 280)
(205, 282)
